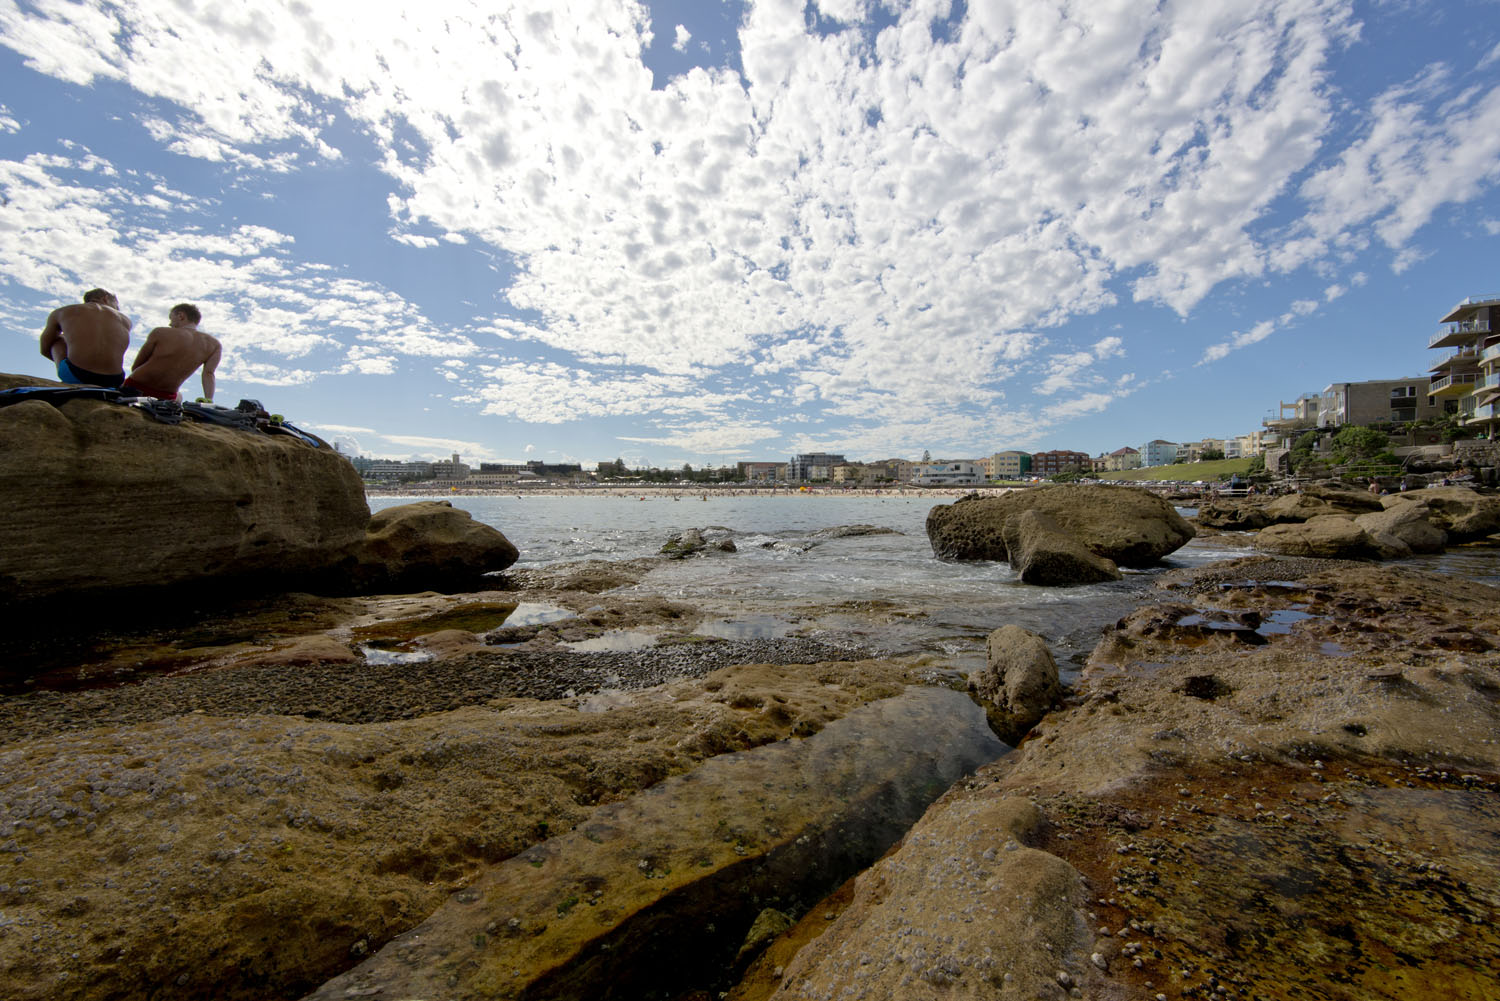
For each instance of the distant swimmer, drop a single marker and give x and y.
(172, 353)
(87, 340)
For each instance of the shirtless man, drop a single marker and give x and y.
(87, 341)
(170, 355)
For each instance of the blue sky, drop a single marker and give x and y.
(703, 232)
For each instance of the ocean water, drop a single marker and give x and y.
(886, 591)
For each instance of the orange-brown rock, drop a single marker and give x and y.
(1126, 525)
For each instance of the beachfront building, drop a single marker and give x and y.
(1193, 451)
(1118, 460)
(857, 472)
(1159, 452)
(961, 473)
(1377, 401)
(1060, 461)
(1299, 415)
(1011, 465)
(1245, 445)
(813, 466)
(761, 472)
(450, 469)
(1466, 382)
(391, 471)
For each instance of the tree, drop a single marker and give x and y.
(1212, 455)
(1353, 444)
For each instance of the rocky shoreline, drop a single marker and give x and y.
(1277, 777)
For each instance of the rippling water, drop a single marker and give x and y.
(888, 591)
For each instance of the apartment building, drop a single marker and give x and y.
(1060, 461)
(761, 472)
(814, 466)
(1159, 452)
(1377, 401)
(1466, 381)
(1010, 465)
(1119, 459)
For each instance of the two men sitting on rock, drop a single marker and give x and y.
(88, 342)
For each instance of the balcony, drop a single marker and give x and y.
(1468, 358)
(1455, 384)
(1459, 333)
(1482, 415)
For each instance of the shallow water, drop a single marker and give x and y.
(885, 591)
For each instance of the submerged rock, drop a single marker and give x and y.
(1126, 525)
(194, 842)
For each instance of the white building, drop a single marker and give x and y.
(949, 474)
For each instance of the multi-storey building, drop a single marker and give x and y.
(761, 472)
(390, 469)
(450, 469)
(1466, 382)
(1299, 415)
(1119, 459)
(813, 466)
(949, 474)
(1245, 445)
(1377, 401)
(1010, 465)
(1059, 461)
(1159, 452)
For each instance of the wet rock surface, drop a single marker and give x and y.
(1313, 815)
(1275, 778)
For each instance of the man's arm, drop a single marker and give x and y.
(208, 371)
(145, 351)
(51, 333)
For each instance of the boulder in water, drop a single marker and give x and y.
(1126, 525)
(1042, 553)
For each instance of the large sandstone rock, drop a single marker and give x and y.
(100, 498)
(1321, 499)
(1042, 553)
(428, 544)
(1018, 683)
(1328, 536)
(103, 500)
(1127, 525)
(1247, 822)
(1463, 513)
(1404, 525)
(966, 910)
(1245, 515)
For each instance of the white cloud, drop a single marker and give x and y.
(1239, 339)
(886, 220)
(719, 439)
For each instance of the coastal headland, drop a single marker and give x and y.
(1272, 777)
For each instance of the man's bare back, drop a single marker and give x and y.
(87, 340)
(170, 355)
